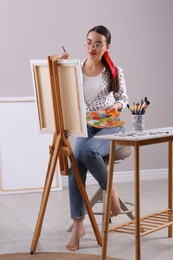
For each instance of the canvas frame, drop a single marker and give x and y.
(69, 77)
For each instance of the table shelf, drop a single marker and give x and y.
(148, 224)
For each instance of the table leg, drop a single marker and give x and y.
(170, 182)
(108, 201)
(137, 201)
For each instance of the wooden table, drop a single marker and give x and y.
(141, 225)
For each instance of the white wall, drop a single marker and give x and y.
(142, 43)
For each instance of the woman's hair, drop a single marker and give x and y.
(102, 30)
(114, 83)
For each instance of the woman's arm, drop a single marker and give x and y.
(121, 98)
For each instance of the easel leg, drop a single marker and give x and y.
(46, 192)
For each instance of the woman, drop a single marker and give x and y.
(104, 89)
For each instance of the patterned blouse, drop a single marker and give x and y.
(105, 99)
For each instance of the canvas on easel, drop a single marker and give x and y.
(65, 88)
(43, 95)
(71, 91)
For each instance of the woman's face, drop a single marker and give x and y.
(96, 45)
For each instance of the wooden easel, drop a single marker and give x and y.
(60, 149)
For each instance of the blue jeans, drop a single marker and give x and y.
(89, 153)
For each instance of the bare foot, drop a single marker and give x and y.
(115, 204)
(77, 232)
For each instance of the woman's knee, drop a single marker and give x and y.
(86, 153)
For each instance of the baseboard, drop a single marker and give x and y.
(127, 176)
(26, 191)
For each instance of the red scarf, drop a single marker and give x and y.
(110, 64)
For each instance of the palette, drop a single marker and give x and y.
(104, 119)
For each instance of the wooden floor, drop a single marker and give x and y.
(18, 215)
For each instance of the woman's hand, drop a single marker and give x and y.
(117, 106)
(65, 56)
